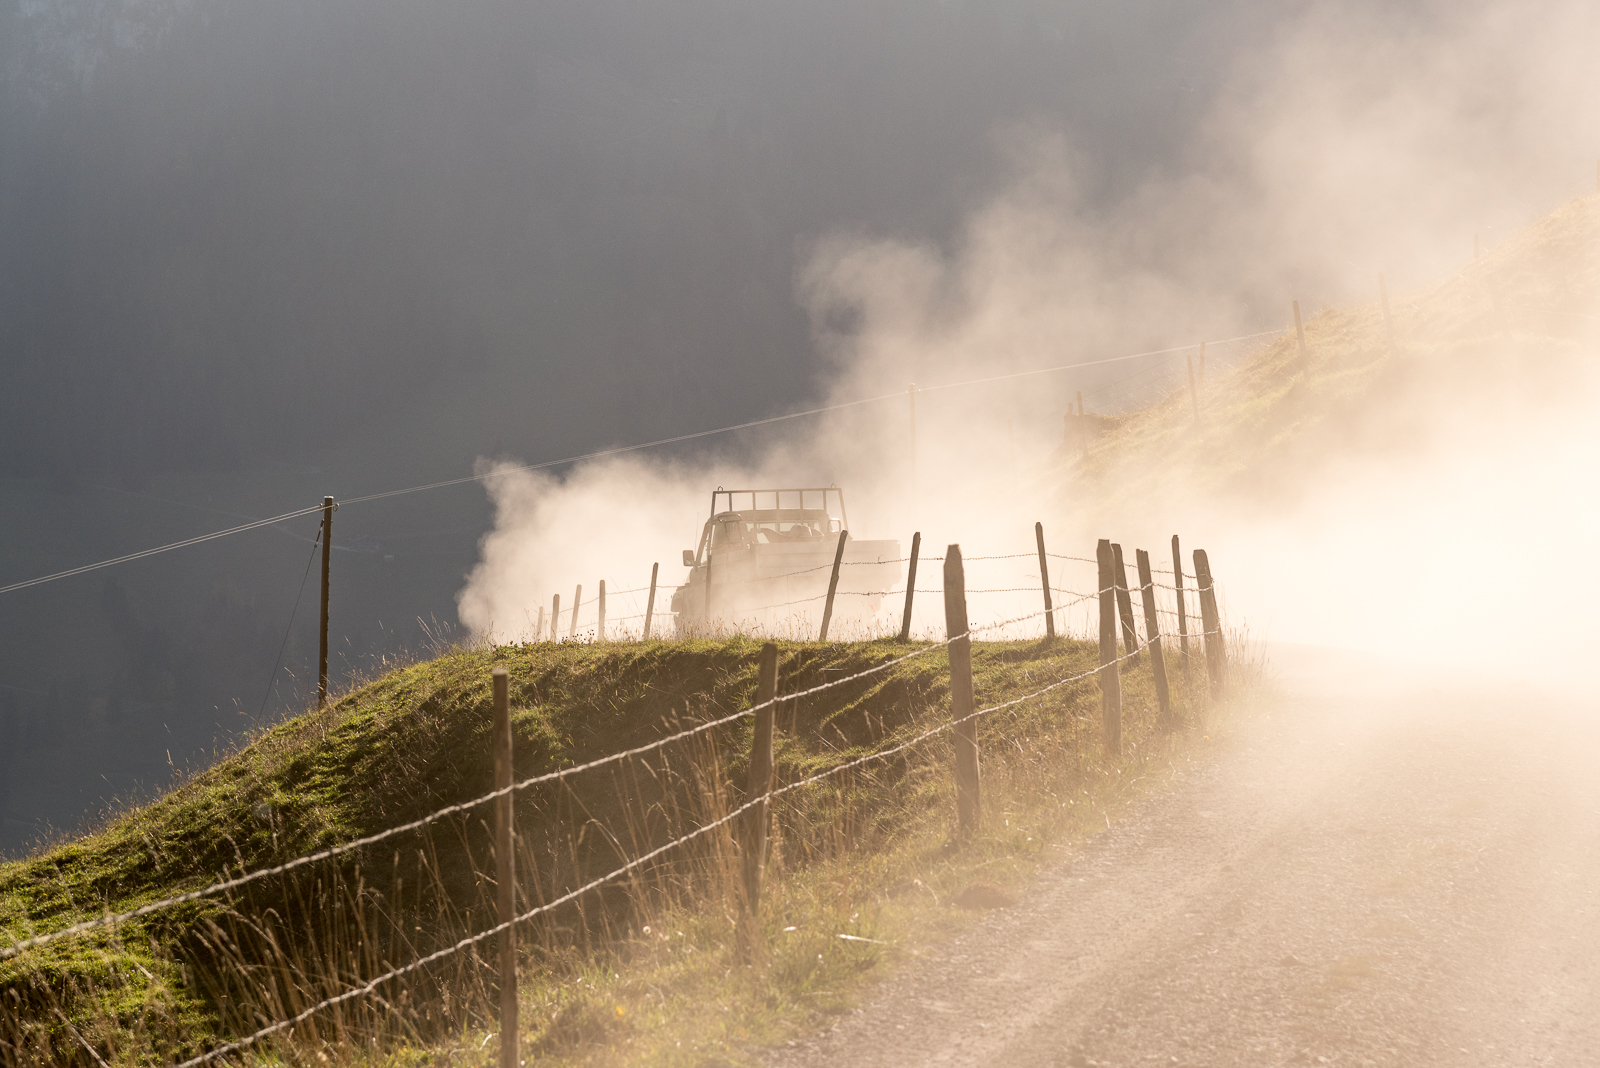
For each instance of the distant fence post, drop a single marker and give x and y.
(577, 603)
(1110, 677)
(1183, 622)
(322, 631)
(1211, 620)
(961, 705)
(555, 618)
(1130, 636)
(911, 583)
(1152, 630)
(600, 628)
(833, 586)
(505, 869)
(1044, 580)
(1299, 333)
(538, 628)
(753, 840)
(650, 605)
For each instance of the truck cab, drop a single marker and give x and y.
(764, 558)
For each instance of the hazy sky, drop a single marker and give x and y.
(252, 254)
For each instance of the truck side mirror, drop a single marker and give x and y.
(688, 558)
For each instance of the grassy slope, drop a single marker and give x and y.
(416, 739)
(1512, 321)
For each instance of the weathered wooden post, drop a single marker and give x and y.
(505, 869)
(555, 618)
(756, 820)
(322, 630)
(1211, 620)
(961, 705)
(833, 586)
(600, 627)
(1130, 636)
(911, 586)
(1194, 395)
(1183, 622)
(577, 603)
(538, 628)
(1152, 630)
(1110, 676)
(1044, 580)
(1299, 333)
(650, 605)
(1388, 321)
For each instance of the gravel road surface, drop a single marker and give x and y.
(1385, 870)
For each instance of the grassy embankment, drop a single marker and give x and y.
(646, 970)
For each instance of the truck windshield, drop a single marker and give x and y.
(737, 533)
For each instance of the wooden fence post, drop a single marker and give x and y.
(833, 586)
(1110, 676)
(1183, 621)
(1130, 636)
(322, 630)
(1211, 620)
(650, 605)
(505, 870)
(555, 618)
(961, 705)
(600, 627)
(1388, 321)
(1044, 580)
(1152, 630)
(1299, 333)
(538, 628)
(911, 583)
(577, 603)
(753, 840)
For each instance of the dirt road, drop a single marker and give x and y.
(1384, 871)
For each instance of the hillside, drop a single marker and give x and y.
(1491, 342)
(170, 984)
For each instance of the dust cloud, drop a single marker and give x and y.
(1439, 523)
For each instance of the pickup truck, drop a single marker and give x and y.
(764, 559)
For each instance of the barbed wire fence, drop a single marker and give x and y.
(749, 819)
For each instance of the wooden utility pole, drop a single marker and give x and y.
(1152, 630)
(1130, 636)
(833, 585)
(1211, 620)
(505, 862)
(961, 705)
(1044, 580)
(650, 605)
(322, 630)
(911, 586)
(756, 820)
(1110, 677)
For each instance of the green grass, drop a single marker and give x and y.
(416, 739)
